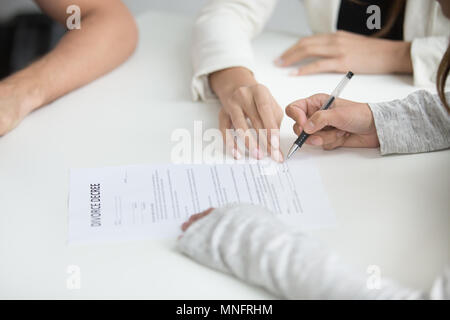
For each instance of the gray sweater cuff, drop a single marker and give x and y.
(418, 123)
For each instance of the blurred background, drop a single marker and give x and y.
(26, 34)
(288, 15)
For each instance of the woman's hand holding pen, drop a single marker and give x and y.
(345, 124)
(342, 51)
(245, 99)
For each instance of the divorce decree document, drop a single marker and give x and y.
(152, 201)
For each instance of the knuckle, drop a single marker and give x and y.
(228, 109)
(342, 64)
(308, 50)
(279, 115)
(263, 107)
(222, 113)
(260, 87)
(321, 117)
(239, 94)
(288, 109)
(318, 96)
(338, 39)
(232, 110)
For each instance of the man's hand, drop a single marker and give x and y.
(244, 99)
(345, 124)
(342, 51)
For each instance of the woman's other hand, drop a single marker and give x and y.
(245, 99)
(345, 124)
(342, 51)
(194, 218)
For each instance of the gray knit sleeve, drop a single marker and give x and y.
(251, 244)
(418, 123)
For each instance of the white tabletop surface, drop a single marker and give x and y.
(392, 211)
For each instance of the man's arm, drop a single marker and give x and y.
(107, 37)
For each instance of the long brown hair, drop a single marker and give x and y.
(444, 68)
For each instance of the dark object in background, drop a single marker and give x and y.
(353, 18)
(26, 38)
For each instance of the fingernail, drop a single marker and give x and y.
(277, 156)
(257, 153)
(340, 133)
(278, 62)
(317, 141)
(236, 154)
(275, 142)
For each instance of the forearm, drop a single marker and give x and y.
(399, 56)
(106, 39)
(418, 123)
(247, 242)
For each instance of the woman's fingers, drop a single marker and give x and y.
(297, 112)
(314, 46)
(254, 103)
(265, 105)
(194, 218)
(320, 66)
(313, 51)
(308, 105)
(325, 137)
(297, 129)
(324, 118)
(240, 124)
(225, 127)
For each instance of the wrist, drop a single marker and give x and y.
(24, 91)
(400, 57)
(225, 82)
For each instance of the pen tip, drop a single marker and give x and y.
(292, 150)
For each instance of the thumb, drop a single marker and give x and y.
(323, 118)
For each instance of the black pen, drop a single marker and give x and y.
(303, 136)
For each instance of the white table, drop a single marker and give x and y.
(392, 211)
